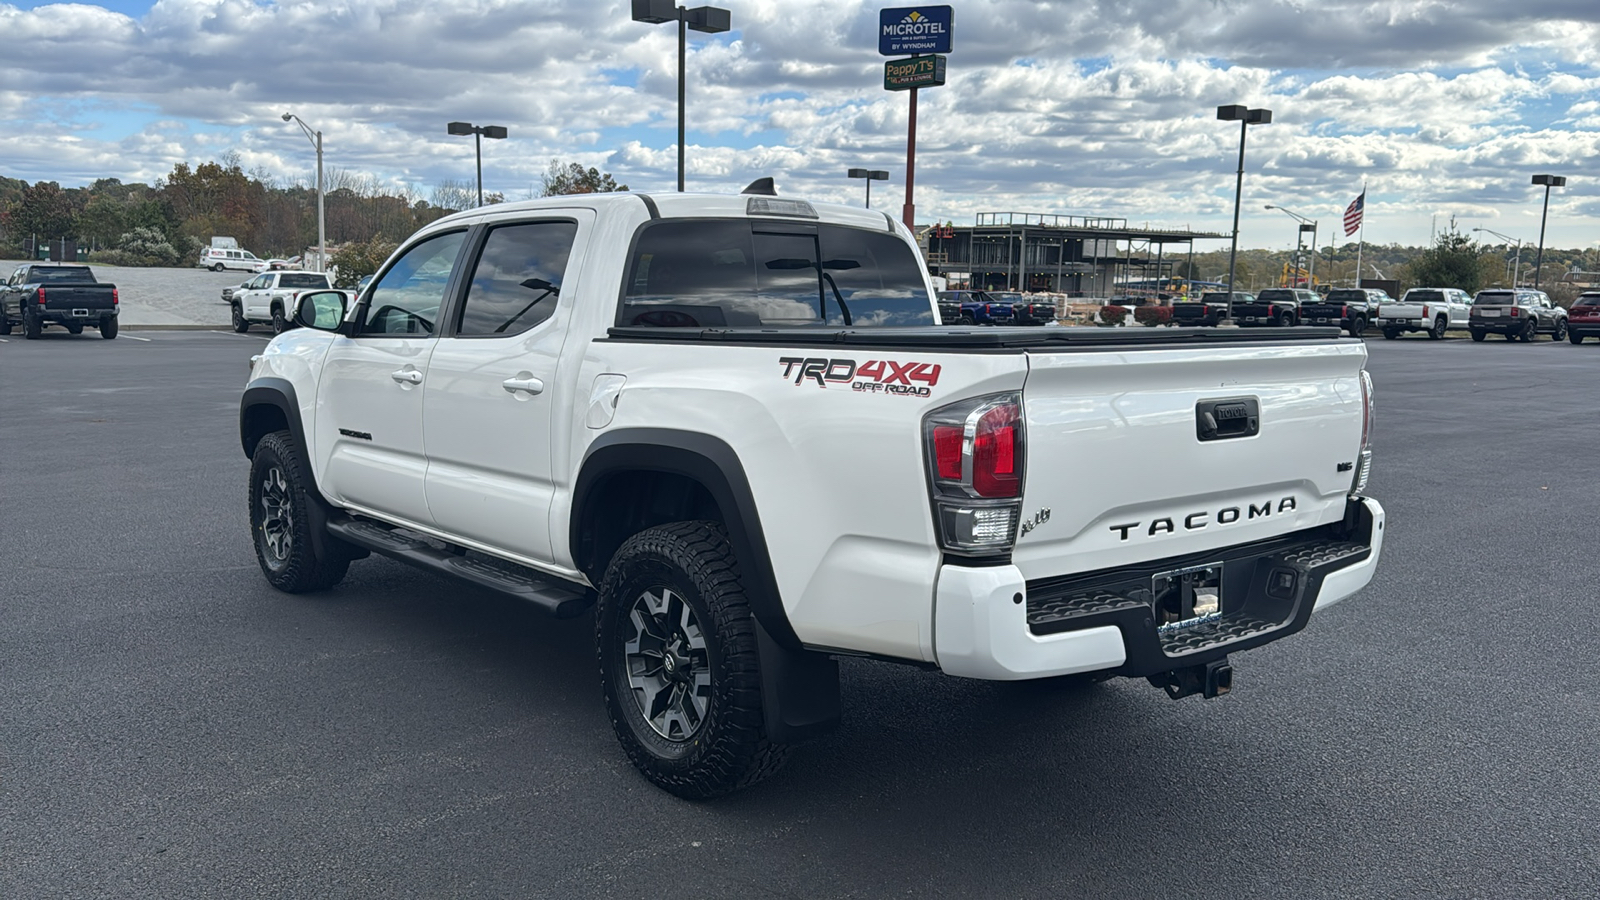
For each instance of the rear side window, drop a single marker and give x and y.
(517, 281)
(747, 273)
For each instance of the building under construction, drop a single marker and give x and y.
(1082, 256)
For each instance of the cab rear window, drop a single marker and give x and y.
(1272, 295)
(1495, 298)
(1347, 296)
(716, 273)
(1588, 300)
(1425, 296)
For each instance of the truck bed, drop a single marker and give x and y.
(979, 339)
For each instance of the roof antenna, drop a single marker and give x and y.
(762, 186)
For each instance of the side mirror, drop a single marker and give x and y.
(322, 310)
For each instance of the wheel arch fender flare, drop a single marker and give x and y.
(800, 687)
(267, 403)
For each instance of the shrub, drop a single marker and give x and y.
(1112, 316)
(359, 259)
(140, 247)
(1152, 315)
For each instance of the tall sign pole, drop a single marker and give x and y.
(924, 32)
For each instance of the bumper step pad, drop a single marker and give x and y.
(1269, 590)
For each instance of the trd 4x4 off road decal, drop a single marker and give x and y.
(875, 376)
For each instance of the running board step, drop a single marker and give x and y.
(559, 598)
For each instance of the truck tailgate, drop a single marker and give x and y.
(81, 296)
(1117, 471)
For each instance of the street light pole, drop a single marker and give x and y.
(1305, 225)
(1549, 181)
(870, 175)
(322, 229)
(707, 19)
(1516, 269)
(478, 132)
(1245, 117)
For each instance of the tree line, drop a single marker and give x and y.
(168, 222)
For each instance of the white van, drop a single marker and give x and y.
(218, 258)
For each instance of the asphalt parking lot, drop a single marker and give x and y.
(172, 727)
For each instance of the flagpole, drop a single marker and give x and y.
(1363, 238)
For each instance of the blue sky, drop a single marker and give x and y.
(1097, 107)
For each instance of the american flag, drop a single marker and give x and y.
(1352, 214)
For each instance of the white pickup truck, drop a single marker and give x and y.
(1431, 310)
(732, 427)
(269, 298)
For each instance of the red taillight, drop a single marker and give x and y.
(1425, 312)
(986, 308)
(1515, 311)
(947, 441)
(40, 296)
(1344, 311)
(114, 298)
(994, 453)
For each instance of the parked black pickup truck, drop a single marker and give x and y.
(1349, 308)
(39, 295)
(1210, 309)
(1024, 312)
(1274, 306)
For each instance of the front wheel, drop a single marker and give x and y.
(1560, 334)
(1439, 326)
(240, 325)
(280, 520)
(678, 662)
(108, 327)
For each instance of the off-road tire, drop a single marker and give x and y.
(1574, 337)
(109, 327)
(1530, 332)
(279, 323)
(1357, 326)
(280, 497)
(74, 328)
(1478, 335)
(5, 324)
(1560, 334)
(32, 326)
(727, 748)
(240, 324)
(1390, 334)
(1440, 325)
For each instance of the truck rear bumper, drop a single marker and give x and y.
(992, 624)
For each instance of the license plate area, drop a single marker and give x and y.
(1184, 598)
(1489, 313)
(80, 314)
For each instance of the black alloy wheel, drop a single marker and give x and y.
(1560, 334)
(679, 667)
(280, 521)
(1439, 326)
(239, 323)
(1530, 331)
(279, 323)
(1358, 325)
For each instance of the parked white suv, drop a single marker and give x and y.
(733, 427)
(1433, 310)
(219, 258)
(269, 298)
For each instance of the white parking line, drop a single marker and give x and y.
(132, 338)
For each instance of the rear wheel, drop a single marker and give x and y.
(108, 327)
(1390, 334)
(1529, 332)
(239, 323)
(280, 520)
(1479, 335)
(1560, 334)
(216, 267)
(1357, 326)
(279, 323)
(5, 323)
(678, 662)
(32, 326)
(966, 319)
(1439, 326)
(1574, 337)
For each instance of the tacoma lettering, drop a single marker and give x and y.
(1197, 520)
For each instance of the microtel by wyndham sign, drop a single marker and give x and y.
(914, 29)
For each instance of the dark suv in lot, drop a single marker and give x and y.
(1583, 319)
(1024, 312)
(1520, 315)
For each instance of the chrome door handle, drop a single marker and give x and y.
(530, 385)
(407, 376)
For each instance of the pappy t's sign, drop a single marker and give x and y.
(914, 29)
